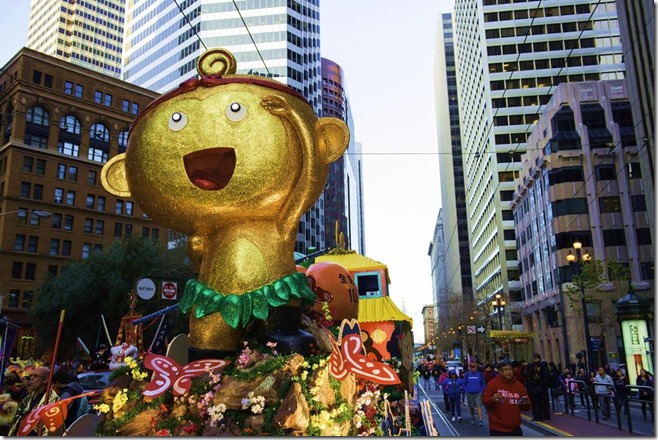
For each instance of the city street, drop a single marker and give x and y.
(561, 424)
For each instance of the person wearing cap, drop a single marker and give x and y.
(474, 384)
(453, 387)
(505, 398)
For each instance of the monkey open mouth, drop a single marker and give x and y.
(210, 169)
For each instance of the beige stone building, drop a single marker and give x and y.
(59, 124)
(581, 180)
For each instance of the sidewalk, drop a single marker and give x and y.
(566, 425)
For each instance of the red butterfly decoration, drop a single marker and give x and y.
(349, 356)
(167, 373)
(52, 415)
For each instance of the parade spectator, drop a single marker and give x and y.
(36, 396)
(646, 394)
(68, 386)
(474, 384)
(463, 395)
(582, 385)
(505, 397)
(519, 371)
(621, 394)
(555, 386)
(436, 373)
(603, 389)
(446, 399)
(427, 375)
(537, 386)
(454, 386)
(590, 388)
(488, 372)
(570, 388)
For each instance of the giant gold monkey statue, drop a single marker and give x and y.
(233, 161)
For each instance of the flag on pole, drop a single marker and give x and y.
(160, 340)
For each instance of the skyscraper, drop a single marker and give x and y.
(279, 39)
(343, 195)
(510, 56)
(87, 33)
(457, 264)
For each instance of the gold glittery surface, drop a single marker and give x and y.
(234, 165)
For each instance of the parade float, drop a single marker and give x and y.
(233, 161)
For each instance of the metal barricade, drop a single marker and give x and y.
(633, 393)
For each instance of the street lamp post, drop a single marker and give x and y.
(499, 307)
(577, 260)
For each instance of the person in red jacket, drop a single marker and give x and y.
(505, 397)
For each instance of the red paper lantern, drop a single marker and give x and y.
(333, 284)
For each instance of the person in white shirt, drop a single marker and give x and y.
(603, 388)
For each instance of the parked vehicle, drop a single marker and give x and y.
(94, 381)
(455, 365)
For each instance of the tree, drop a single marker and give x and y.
(101, 284)
(603, 283)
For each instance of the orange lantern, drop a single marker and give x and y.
(333, 284)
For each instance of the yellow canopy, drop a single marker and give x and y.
(381, 309)
(352, 261)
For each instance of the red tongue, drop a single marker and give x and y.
(210, 169)
(204, 183)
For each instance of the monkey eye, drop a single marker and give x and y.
(178, 121)
(236, 112)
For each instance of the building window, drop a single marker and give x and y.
(609, 204)
(57, 221)
(108, 100)
(70, 198)
(125, 105)
(25, 189)
(89, 225)
(123, 141)
(30, 271)
(79, 90)
(145, 232)
(614, 237)
(41, 167)
(98, 96)
(633, 170)
(19, 243)
(36, 77)
(59, 195)
(647, 270)
(100, 205)
(90, 201)
(100, 227)
(605, 172)
(368, 284)
(48, 80)
(134, 108)
(129, 230)
(119, 207)
(97, 155)
(639, 203)
(68, 223)
(643, 236)
(155, 233)
(28, 163)
(17, 270)
(73, 174)
(68, 88)
(52, 269)
(33, 244)
(37, 194)
(27, 299)
(86, 249)
(66, 248)
(54, 246)
(129, 208)
(118, 227)
(92, 178)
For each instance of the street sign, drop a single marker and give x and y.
(145, 288)
(470, 329)
(481, 329)
(169, 290)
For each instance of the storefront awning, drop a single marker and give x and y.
(381, 309)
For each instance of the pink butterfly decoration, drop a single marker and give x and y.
(167, 373)
(52, 415)
(348, 356)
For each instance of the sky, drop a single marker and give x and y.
(386, 49)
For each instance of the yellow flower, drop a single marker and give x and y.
(120, 400)
(103, 407)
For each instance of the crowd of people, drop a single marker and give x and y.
(508, 387)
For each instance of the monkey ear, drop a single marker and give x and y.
(113, 176)
(334, 137)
